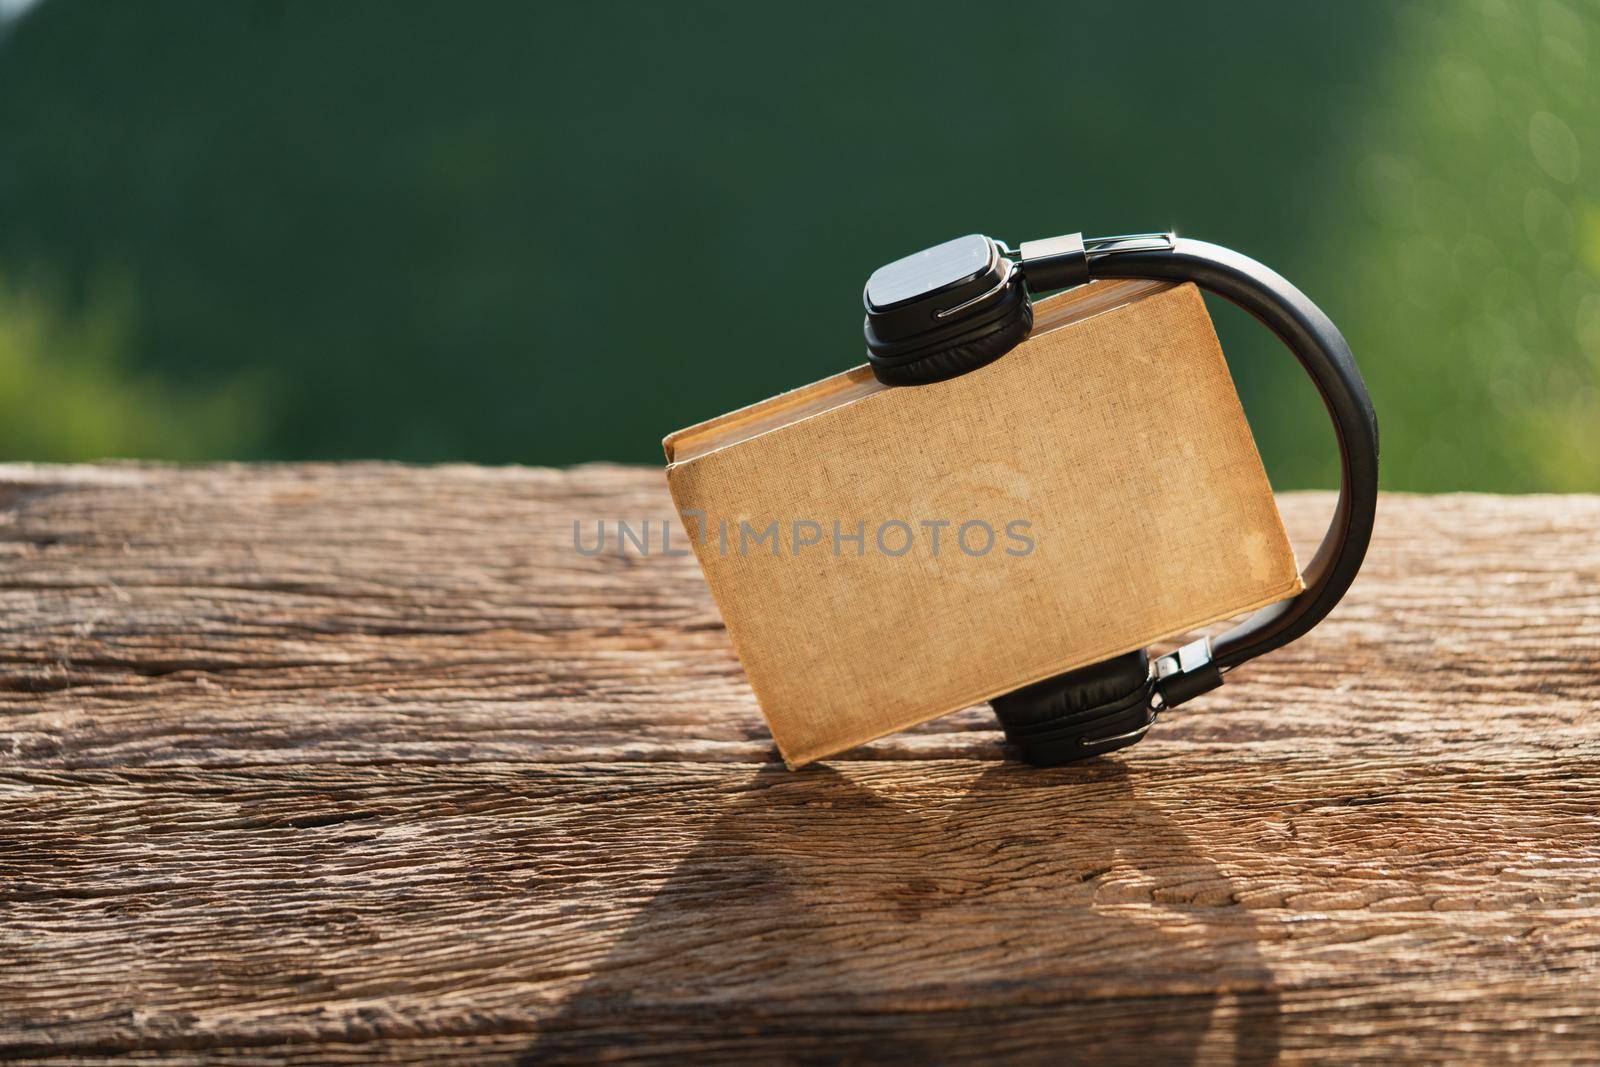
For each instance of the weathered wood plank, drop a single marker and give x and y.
(325, 613)
(348, 762)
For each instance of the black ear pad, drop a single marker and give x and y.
(1082, 713)
(950, 357)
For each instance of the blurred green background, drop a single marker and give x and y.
(537, 233)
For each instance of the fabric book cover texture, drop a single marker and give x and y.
(882, 556)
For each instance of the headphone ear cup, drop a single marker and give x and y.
(951, 360)
(1067, 717)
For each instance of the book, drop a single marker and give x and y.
(885, 555)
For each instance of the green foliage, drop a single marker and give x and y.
(1473, 280)
(65, 393)
(398, 229)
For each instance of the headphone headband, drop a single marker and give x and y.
(1109, 705)
(1321, 349)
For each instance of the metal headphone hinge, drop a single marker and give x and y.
(1186, 673)
(1054, 263)
(1061, 262)
(1100, 247)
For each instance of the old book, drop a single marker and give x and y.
(882, 556)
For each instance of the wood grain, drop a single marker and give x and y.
(364, 762)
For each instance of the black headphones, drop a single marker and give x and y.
(960, 305)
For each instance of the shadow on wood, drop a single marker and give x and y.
(931, 932)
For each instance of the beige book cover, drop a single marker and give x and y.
(882, 556)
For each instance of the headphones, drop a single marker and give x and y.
(960, 305)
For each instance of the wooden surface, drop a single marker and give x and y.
(364, 762)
